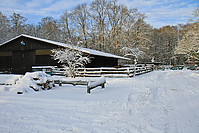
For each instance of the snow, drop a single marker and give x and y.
(43, 66)
(159, 101)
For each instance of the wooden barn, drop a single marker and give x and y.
(22, 52)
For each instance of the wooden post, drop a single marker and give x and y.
(134, 71)
(60, 82)
(135, 63)
(84, 72)
(103, 85)
(128, 72)
(88, 90)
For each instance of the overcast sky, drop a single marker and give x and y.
(159, 12)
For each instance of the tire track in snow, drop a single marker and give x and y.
(146, 103)
(156, 102)
(182, 111)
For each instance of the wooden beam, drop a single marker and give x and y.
(92, 85)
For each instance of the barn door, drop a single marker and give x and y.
(22, 61)
(16, 62)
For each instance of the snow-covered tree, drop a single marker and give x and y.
(71, 58)
(189, 44)
(190, 41)
(134, 53)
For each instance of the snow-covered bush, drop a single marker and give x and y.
(71, 58)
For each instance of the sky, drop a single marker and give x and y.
(159, 12)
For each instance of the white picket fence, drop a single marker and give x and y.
(108, 71)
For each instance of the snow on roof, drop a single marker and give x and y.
(85, 50)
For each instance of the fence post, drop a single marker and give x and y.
(84, 72)
(135, 63)
(128, 72)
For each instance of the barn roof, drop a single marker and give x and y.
(85, 50)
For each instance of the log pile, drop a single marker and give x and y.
(46, 85)
(36, 81)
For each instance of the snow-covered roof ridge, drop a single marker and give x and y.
(86, 50)
(11, 40)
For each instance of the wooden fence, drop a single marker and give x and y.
(108, 71)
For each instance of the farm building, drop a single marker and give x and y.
(22, 52)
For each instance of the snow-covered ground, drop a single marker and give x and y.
(160, 101)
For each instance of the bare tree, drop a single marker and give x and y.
(113, 18)
(48, 29)
(31, 30)
(18, 24)
(164, 40)
(120, 19)
(4, 28)
(66, 26)
(79, 16)
(106, 25)
(99, 15)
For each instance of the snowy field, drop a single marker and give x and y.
(156, 102)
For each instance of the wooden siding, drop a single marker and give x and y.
(30, 44)
(6, 53)
(100, 61)
(45, 60)
(6, 63)
(22, 61)
(43, 52)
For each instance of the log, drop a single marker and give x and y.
(74, 83)
(90, 84)
(20, 92)
(35, 88)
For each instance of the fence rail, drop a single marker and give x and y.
(108, 71)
